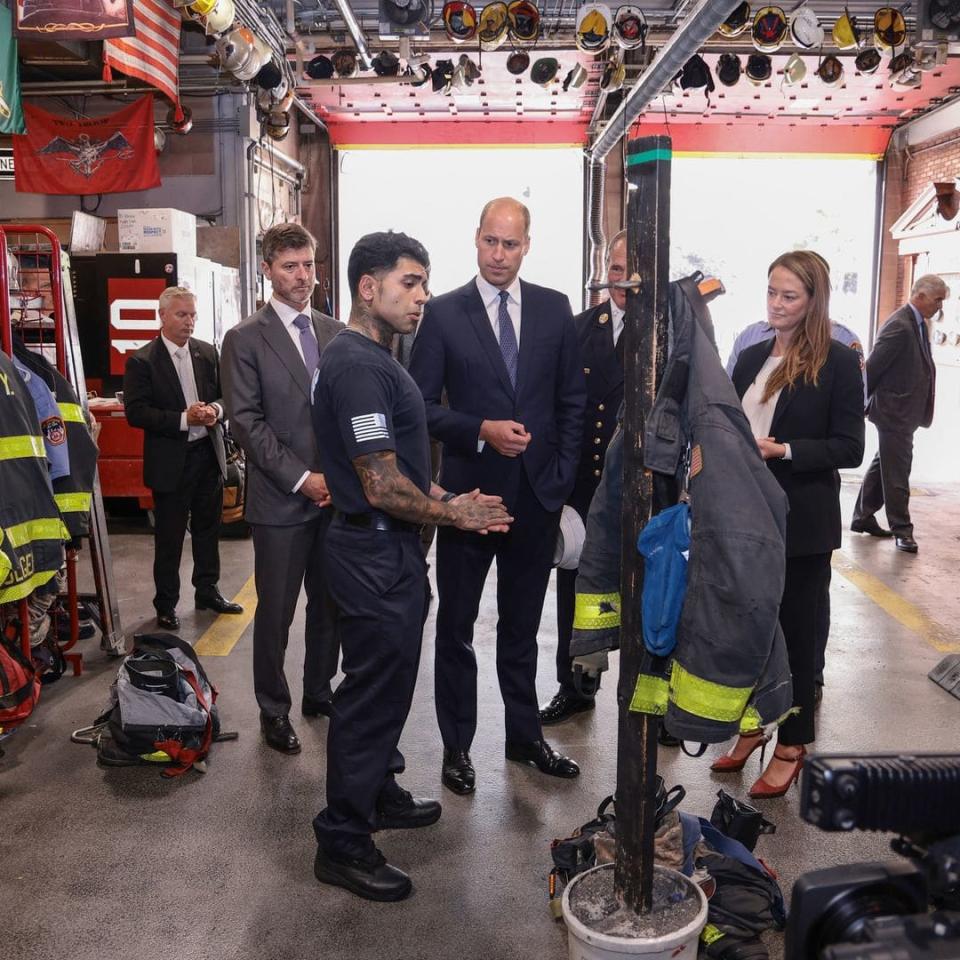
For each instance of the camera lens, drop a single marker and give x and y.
(843, 920)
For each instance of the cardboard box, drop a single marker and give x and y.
(163, 230)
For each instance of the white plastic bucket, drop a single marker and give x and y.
(586, 944)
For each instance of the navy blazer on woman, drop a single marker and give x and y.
(824, 426)
(456, 350)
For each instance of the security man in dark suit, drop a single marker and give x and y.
(371, 430)
(901, 386)
(505, 351)
(171, 390)
(599, 331)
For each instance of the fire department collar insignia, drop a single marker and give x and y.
(603, 318)
(54, 431)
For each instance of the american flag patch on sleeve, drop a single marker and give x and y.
(370, 426)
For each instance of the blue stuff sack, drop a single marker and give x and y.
(665, 545)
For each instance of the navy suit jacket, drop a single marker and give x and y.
(456, 350)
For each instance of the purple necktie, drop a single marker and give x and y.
(308, 343)
(508, 339)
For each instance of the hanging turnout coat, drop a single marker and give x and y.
(729, 670)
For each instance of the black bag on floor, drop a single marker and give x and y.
(739, 820)
(162, 708)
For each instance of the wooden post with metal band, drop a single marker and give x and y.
(645, 351)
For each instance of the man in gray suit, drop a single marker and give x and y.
(268, 362)
(901, 382)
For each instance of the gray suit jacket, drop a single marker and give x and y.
(267, 395)
(900, 376)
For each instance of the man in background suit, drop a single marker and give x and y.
(171, 390)
(901, 385)
(601, 351)
(268, 362)
(506, 353)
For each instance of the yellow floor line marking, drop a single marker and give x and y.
(222, 635)
(903, 611)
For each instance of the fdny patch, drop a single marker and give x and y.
(54, 431)
(696, 460)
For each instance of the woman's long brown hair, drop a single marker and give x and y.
(807, 351)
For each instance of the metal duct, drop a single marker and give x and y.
(701, 23)
(353, 26)
(596, 182)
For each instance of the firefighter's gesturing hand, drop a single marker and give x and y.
(481, 513)
(507, 437)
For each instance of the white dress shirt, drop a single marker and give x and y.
(760, 413)
(616, 318)
(287, 315)
(490, 295)
(189, 388)
(491, 300)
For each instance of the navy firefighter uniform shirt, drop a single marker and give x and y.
(364, 402)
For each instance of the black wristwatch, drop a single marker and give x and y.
(447, 497)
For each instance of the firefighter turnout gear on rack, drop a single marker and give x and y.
(31, 531)
(729, 670)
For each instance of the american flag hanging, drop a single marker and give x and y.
(153, 53)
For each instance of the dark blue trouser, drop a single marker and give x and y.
(376, 579)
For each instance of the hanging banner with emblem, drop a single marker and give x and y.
(112, 154)
(73, 19)
(11, 113)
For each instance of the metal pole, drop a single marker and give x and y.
(645, 341)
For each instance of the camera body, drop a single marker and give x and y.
(879, 911)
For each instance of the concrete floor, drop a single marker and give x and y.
(119, 863)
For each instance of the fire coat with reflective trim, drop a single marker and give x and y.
(73, 491)
(31, 531)
(729, 670)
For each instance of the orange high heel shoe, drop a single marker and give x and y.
(764, 790)
(731, 763)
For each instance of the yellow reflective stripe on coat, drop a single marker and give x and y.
(16, 448)
(24, 588)
(21, 534)
(650, 695)
(596, 611)
(71, 412)
(750, 722)
(706, 699)
(73, 502)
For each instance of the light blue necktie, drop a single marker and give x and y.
(508, 339)
(308, 343)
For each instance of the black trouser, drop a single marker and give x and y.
(377, 580)
(566, 602)
(887, 482)
(286, 558)
(823, 627)
(198, 498)
(524, 560)
(802, 593)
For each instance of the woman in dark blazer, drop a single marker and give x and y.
(803, 395)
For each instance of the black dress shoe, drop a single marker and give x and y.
(907, 544)
(458, 774)
(563, 706)
(279, 734)
(870, 525)
(316, 708)
(168, 620)
(400, 810)
(370, 876)
(216, 601)
(541, 755)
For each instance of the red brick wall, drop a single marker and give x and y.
(908, 174)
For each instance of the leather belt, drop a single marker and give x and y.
(378, 521)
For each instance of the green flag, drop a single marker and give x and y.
(11, 112)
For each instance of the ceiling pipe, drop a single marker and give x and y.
(353, 26)
(686, 40)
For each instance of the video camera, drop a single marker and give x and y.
(880, 911)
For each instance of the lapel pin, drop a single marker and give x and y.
(604, 317)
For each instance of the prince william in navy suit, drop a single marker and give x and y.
(506, 354)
